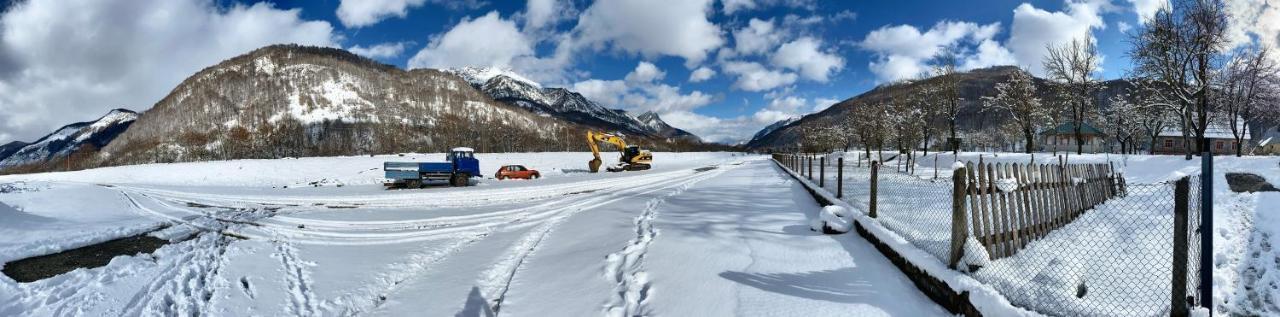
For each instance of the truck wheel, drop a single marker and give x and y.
(458, 180)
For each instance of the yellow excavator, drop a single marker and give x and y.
(633, 158)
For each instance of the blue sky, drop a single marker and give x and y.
(758, 61)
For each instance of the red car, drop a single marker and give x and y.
(516, 171)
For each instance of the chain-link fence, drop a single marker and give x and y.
(1079, 243)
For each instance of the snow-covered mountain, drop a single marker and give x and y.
(655, 123)
(512, 88)
(290, 101)
(770, 128)
(68, 139)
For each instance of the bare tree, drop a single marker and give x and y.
(1017, 97)
(948, 92)
(1245, 80)
(1177, 48)
(1072, 65)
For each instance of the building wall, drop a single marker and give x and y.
(1067, 142)
(1175, 145)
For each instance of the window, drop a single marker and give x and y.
(1168, 143)
(1217, 145)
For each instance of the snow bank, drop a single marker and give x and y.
(832, 219)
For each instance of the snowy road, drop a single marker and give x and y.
(723, 239)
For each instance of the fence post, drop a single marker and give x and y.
(840, 176)
(810, 159)
(1178, 306)
(875, 177)
(822, 171)
(1206, 227)
(959, 220)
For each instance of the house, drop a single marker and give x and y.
(1269, 144)
(1221, 141)
(1063, 138)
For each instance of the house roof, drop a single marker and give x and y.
(1213, 131)
(1070, 128)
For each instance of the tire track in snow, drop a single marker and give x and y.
(623, 268)
(187, 285)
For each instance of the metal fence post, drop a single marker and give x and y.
(810, 168)
(875, 177)
(1178, 303)
(822, 171)
(959, 220)
(840, 176)
(1206, 228)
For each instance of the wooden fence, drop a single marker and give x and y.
(1010, 204)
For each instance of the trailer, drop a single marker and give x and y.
(459, 167)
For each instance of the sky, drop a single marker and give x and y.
(722, 69)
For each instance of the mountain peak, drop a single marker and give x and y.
(480, 75)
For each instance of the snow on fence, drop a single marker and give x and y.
(1058, 239)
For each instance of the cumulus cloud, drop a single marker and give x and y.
(755, 77)
(1147, 8)
(732, 6)
(488, 40)
(361, 13)
(701, 74)
(66, 61)
(1034, 29)
(645, 72)
(903, 51)
(1253, 22)
(650, 28)
(640, 91)
(542, 13)
(758, 36)
(381, 50)
(805, 55)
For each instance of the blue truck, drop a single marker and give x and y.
(459, 167)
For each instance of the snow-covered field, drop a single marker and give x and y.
(1129, 237)
(713, 234)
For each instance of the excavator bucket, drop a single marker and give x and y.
(594, 164)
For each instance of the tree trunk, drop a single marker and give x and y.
(1030, 139)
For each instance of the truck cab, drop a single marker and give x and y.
(459, 167)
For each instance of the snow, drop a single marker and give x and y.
(833, 218)
(480, 75)
(681, 239)
(462, 149)
(1246, 282)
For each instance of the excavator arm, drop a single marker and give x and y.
(639, 160)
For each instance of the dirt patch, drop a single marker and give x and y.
(704, 169)
(97, 255)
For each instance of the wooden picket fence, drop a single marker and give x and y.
(1012, 204)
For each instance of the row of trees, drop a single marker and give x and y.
(1184, 77)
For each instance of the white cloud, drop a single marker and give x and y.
(903, 51)
(755, 77)
(488, 40)
(820, 104)
(1253, 22)
(542, 13)
(381, 50)
(1034, 29)
(361, 13)
(639, 91)
(1123, 26)
(1147, 8)
(701, 74)
(805, 55)
(732, 6)
(605, 92)
(67, 61)
(758, 36)
(650, 28)
(645, 72)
